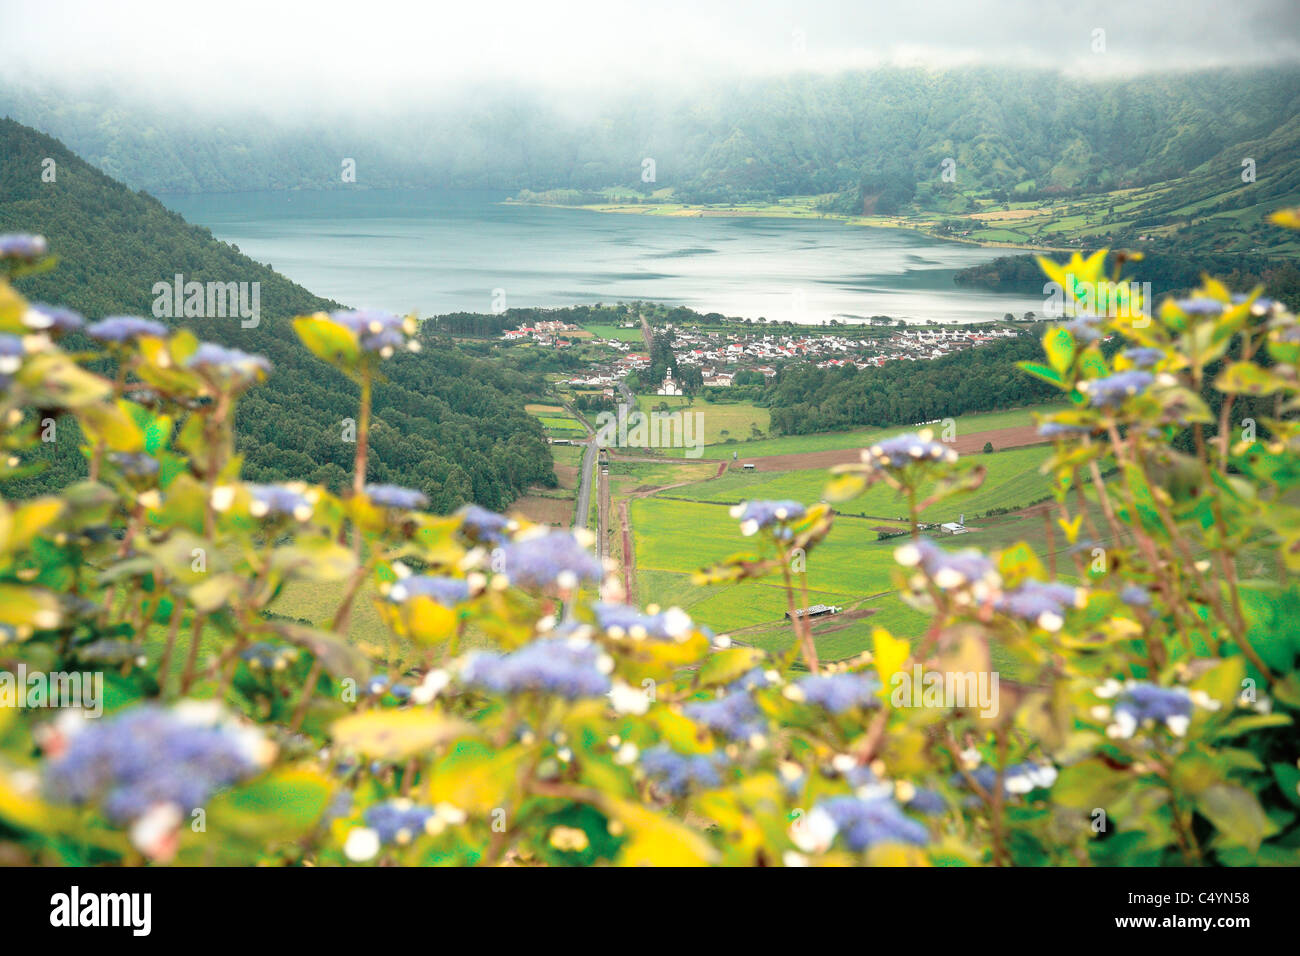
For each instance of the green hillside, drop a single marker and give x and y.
(873, 137)
(451, 425)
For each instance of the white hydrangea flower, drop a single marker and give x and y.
(361, 845)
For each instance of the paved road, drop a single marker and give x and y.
(602, 508)
(584, 486)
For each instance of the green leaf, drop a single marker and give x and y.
(1236, 814)
(397, 734)
(328, 341)
(339, 658)
(1248, 378)
(725, 666)
(1287, 776)
(282, 805)
(1041, 371)
(477, 779)
(1059, 345)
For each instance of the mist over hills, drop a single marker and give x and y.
(1025, 132)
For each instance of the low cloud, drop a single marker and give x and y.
(384, 55)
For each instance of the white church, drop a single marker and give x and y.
(669, 387)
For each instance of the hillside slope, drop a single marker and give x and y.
(450, 425)
(1029, 132)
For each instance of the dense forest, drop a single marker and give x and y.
(869, 136)
(446, 423)
(491, 325)
(805, 399)
(1168, 274)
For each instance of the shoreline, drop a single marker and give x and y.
(689, 211)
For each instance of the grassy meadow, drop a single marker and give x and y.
(834, 441)
(684, 529)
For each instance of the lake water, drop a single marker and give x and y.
(439, 251)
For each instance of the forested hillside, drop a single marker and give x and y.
(869, 136)
(1168, 274)
(445, 423)
(806, 399)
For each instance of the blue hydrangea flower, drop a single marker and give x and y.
(903, 450)
(1143, 357)
(676, 773)
(867, 786)
(228, 363)
(623, 619)
(378, 332)
(146, 756)
(446, 591)
(1019, 778)
(837, 693)
(1041, 603)
(1200, 306)
(397, 821)
(394, 496)
(1135, 596)
(23, 246)
(479, 524)
(1082, 546)
(928, 802)
(755, 515)
(861, 777)
(750, 680)
(125, 328)
(134, 464)
(1086, 328)
(861, 824)
(1059, 430)
(949, 570)
(552, 560)
(263, 655)
(734, 715)
(564, 667)
(1110, 392)
(274, 500)
(1139, 703)
(1261, 306)
(11, 357)
(54, 318)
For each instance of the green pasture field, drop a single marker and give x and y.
(688, 528)
(680, 537)
(556, 423)
(1012, 481)
(636, 474)
(615, 333)
(858, 438)
(850, 568)
(720, 420)
(567, 454)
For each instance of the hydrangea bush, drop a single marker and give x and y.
(522, 713)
